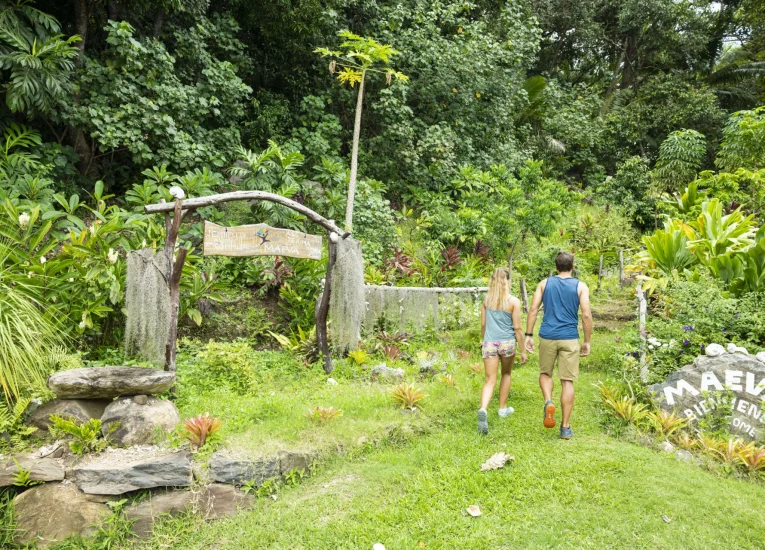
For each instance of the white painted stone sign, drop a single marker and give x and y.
(697, 389)
(259, 240)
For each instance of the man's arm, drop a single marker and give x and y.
(584, 303)
(531, 319)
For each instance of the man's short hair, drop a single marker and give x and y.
(564, 261)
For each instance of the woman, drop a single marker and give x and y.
(500, 331)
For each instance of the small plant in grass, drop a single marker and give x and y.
(626, 409)
(752, 457)
(87, 436)
(398, 339)
(294, 476)
(463, 354)
(269, 488)
(303, 344)
(476, 368)
(728, 452)
(359, 357)
(199, 430)
(686, 441)
(666, 424)
(447, 380)
(391, 352)
(322, 415)
(407, 395)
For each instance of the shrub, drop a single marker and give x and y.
(303, 344)
(322, 415)
(200, 429)
(752, 457)
(407, 395)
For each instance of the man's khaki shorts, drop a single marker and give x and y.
(567, 354)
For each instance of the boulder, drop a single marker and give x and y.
(80, 410)
(383, 373)
(212, 502)
(733, 348)
(714, 350)
(139, 423)
(51, 512)
(698, 389)
(108, 382)
(118, 471)
(40, 469)
(238, 471)
(760, 357)
(295, 460)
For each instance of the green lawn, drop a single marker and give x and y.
(591, 492)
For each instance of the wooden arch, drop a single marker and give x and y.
(181, 208)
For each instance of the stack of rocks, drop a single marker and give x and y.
(71, 494)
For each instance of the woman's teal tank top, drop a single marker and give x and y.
(499, 326)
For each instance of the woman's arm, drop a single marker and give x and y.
(516, 313)
(483, 320)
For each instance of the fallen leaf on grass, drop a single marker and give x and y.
(474, 510)
(496, 461)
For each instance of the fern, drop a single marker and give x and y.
(11, 422)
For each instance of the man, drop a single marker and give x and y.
(562, 296)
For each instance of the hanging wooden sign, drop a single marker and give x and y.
(260, 240)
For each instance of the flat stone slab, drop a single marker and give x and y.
(118, 471)
(211, 502)
(698, 389)
(49, 513)
(238, 471)
(80, 410)
(40, 469)
(109, 382)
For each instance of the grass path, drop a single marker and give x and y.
(591, 492)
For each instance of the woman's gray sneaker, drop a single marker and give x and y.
(566, 433)
(483, 423)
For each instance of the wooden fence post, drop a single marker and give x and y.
(642, 309)
(621, 267)
(524, 296)
(322, 307)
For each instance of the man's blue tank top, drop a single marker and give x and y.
(499, 326)
(561, 301)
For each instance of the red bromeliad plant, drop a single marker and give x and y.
(481, 250)
(451, 258)
(400, 262)
(199, 428)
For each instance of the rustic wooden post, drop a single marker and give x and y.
(621, 267)
(322, 307)
(176, 269)
(600, 271)
(642, 309)
(524, 296)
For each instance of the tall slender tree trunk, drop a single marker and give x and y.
(76, 135)
(354, 156)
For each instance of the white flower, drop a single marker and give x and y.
(113, 256)
(82, 325)
(42, 259)
(70, 279)
(177, 192)
(143, 243)
(23, 220)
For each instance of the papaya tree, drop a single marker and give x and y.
(357, 57)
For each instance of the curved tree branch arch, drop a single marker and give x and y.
(181, 208)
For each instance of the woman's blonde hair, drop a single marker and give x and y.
(499, 289)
